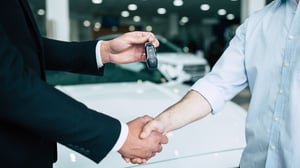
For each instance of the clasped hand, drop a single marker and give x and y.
(137, 150)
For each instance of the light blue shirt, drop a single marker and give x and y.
(264, 55)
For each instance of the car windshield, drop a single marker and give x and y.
(113, 73)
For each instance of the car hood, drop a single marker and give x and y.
(205, 142)
(181, 58)
(124, 100)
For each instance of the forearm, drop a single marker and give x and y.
(193, 106)
(31, 104)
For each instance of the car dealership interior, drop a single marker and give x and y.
(194, 24)
(199, 27)
(192, 35)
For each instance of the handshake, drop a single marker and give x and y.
(138, 147)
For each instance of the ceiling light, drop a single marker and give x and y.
(136, 18)
(178, 2)
(230, 16)
(222, 12)
(96, 29)
(184, 19)
(205, 7)
(97, 25)
(149, 28)
(124, 13)
(96, 1)
(161, 11)
(131, 28)
(41, 12)
(132, 7)
(86, 23)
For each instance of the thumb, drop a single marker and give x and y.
(148, 128)
(147, 118)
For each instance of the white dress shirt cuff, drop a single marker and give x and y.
(98, 55)
(122, 137)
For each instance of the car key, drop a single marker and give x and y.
(151, 59)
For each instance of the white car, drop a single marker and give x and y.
(174, 63)
(215, 141)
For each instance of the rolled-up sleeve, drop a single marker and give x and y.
(228, 76)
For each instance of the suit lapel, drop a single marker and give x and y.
(30, 20)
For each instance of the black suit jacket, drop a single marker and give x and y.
(34, 115)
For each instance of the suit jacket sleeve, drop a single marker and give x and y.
(29, 102)
(78, 57)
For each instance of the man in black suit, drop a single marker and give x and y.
(34, 115)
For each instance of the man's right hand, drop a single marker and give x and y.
(143, 149)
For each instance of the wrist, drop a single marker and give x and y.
(122, 138)
(164, 122)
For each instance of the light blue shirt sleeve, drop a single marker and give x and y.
(228, 76)
(264, 55)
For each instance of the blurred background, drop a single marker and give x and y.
(199, 27)
(192, 24)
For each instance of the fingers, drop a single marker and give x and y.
(135, 160)
(143, 37)
(160, 139)
(138, 161)
(164, 139)
(143, 160)
(138, 150)
(160, 148)
(153, 39)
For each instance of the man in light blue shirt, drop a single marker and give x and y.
(264, 55)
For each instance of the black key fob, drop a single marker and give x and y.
(151, 59)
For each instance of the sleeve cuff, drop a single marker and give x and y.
(98, 54)
(211, 94)
(122, 137)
